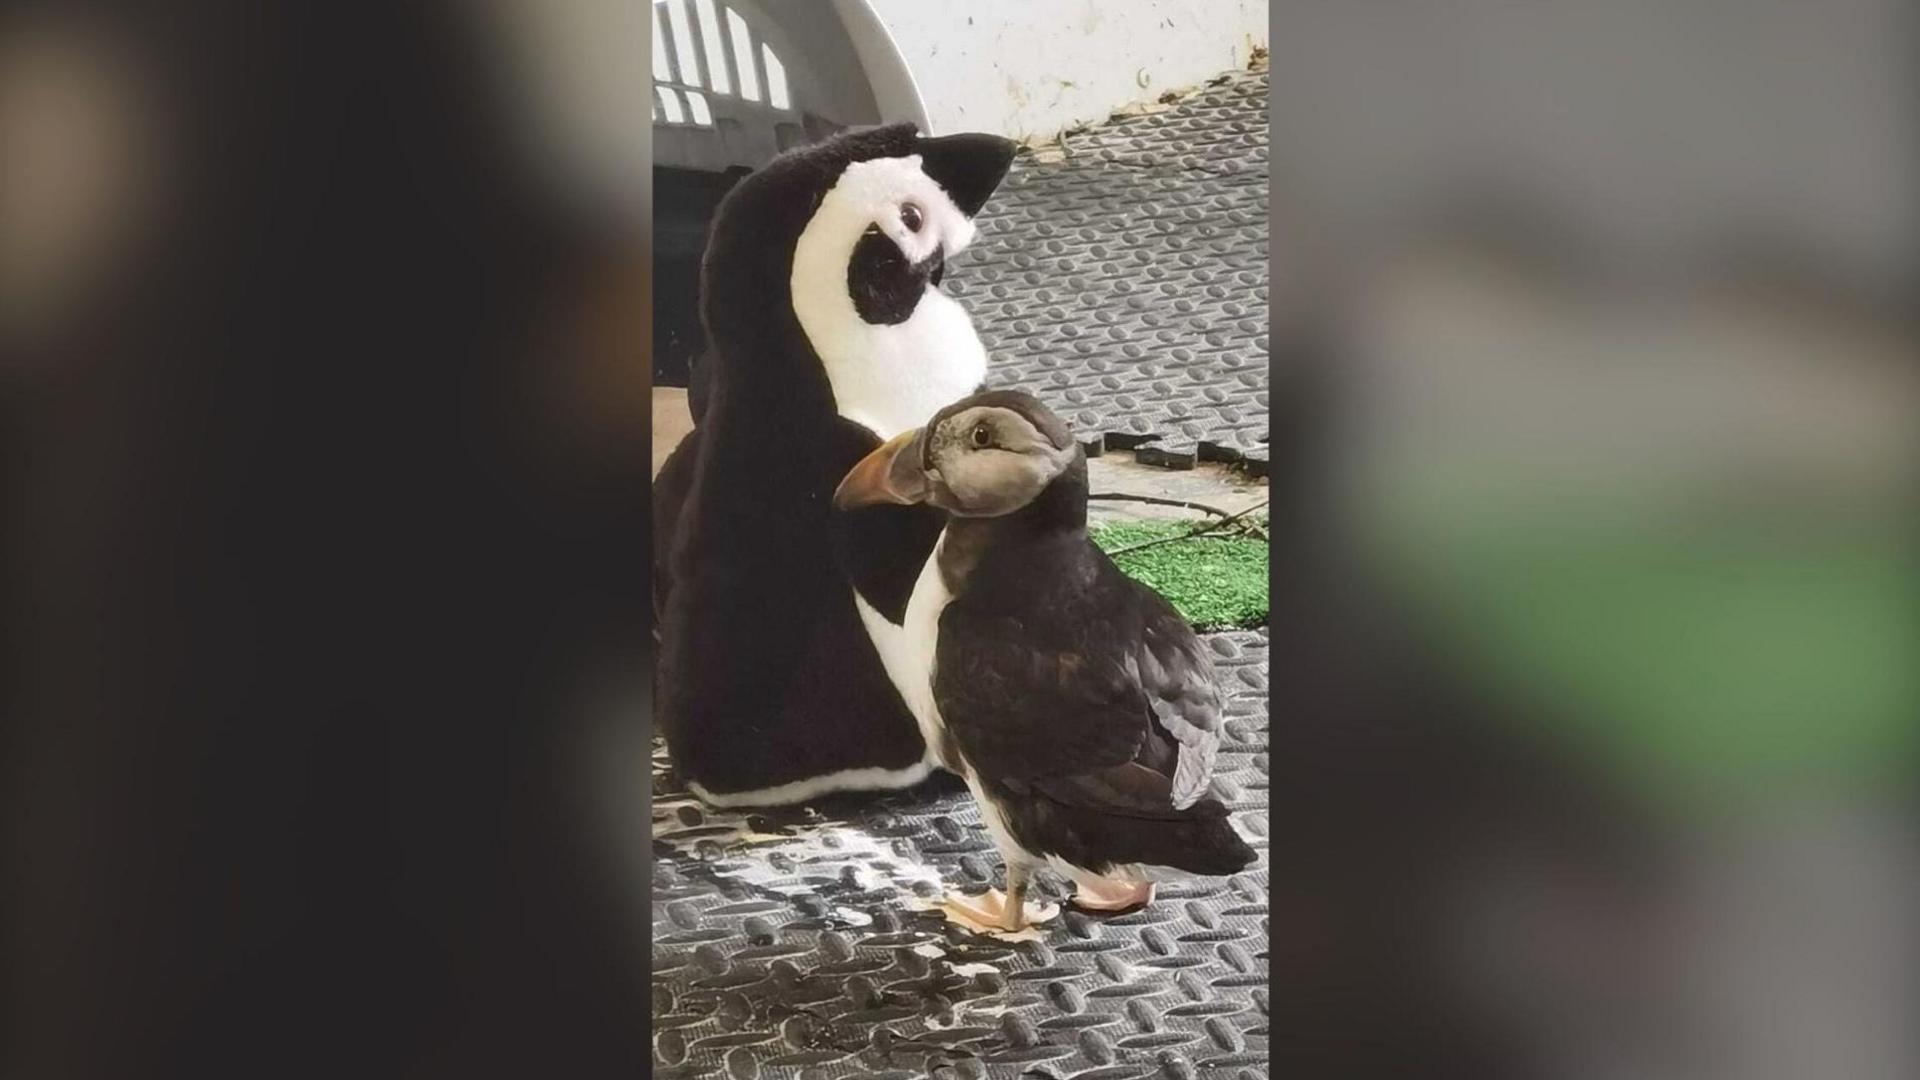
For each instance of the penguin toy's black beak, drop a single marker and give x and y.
(968, 166)
(894, 473)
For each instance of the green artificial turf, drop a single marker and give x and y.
(1218, 583)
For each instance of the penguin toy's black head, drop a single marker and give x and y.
(845, 242)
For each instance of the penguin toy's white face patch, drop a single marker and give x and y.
(865, 289)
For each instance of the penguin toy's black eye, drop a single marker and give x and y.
(911, 217)
(981, 435)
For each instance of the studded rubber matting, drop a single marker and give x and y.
(1126, 285)
(800, 942)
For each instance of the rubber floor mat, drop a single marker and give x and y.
(804, 942)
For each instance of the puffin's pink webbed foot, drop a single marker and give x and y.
(1106, 895)
(986, 908)
(991, 908)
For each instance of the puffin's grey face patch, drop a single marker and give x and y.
(991, 461)
(884, 286)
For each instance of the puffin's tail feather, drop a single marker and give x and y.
(1204, 842)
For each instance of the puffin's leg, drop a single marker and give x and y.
(994, 908)
(1014, 918)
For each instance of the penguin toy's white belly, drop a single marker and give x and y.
(892, 379)
(907, 650)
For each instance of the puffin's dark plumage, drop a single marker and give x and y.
(1072, 691)
(767, 686)
(1080, 705)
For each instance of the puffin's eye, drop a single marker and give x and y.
(981, 435)
(911, 217)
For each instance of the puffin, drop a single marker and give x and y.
(1079, 706)
(827, 333)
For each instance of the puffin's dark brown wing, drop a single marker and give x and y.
(1028, 698)
(1131, 790)
(1176, 675)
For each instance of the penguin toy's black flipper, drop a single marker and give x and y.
(699, 387)
(670, 488)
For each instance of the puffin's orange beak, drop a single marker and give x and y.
(891, 474)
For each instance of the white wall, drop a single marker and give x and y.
(1033, 68)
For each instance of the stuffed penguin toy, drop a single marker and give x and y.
(827, 334)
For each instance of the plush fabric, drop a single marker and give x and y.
(767, 686)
